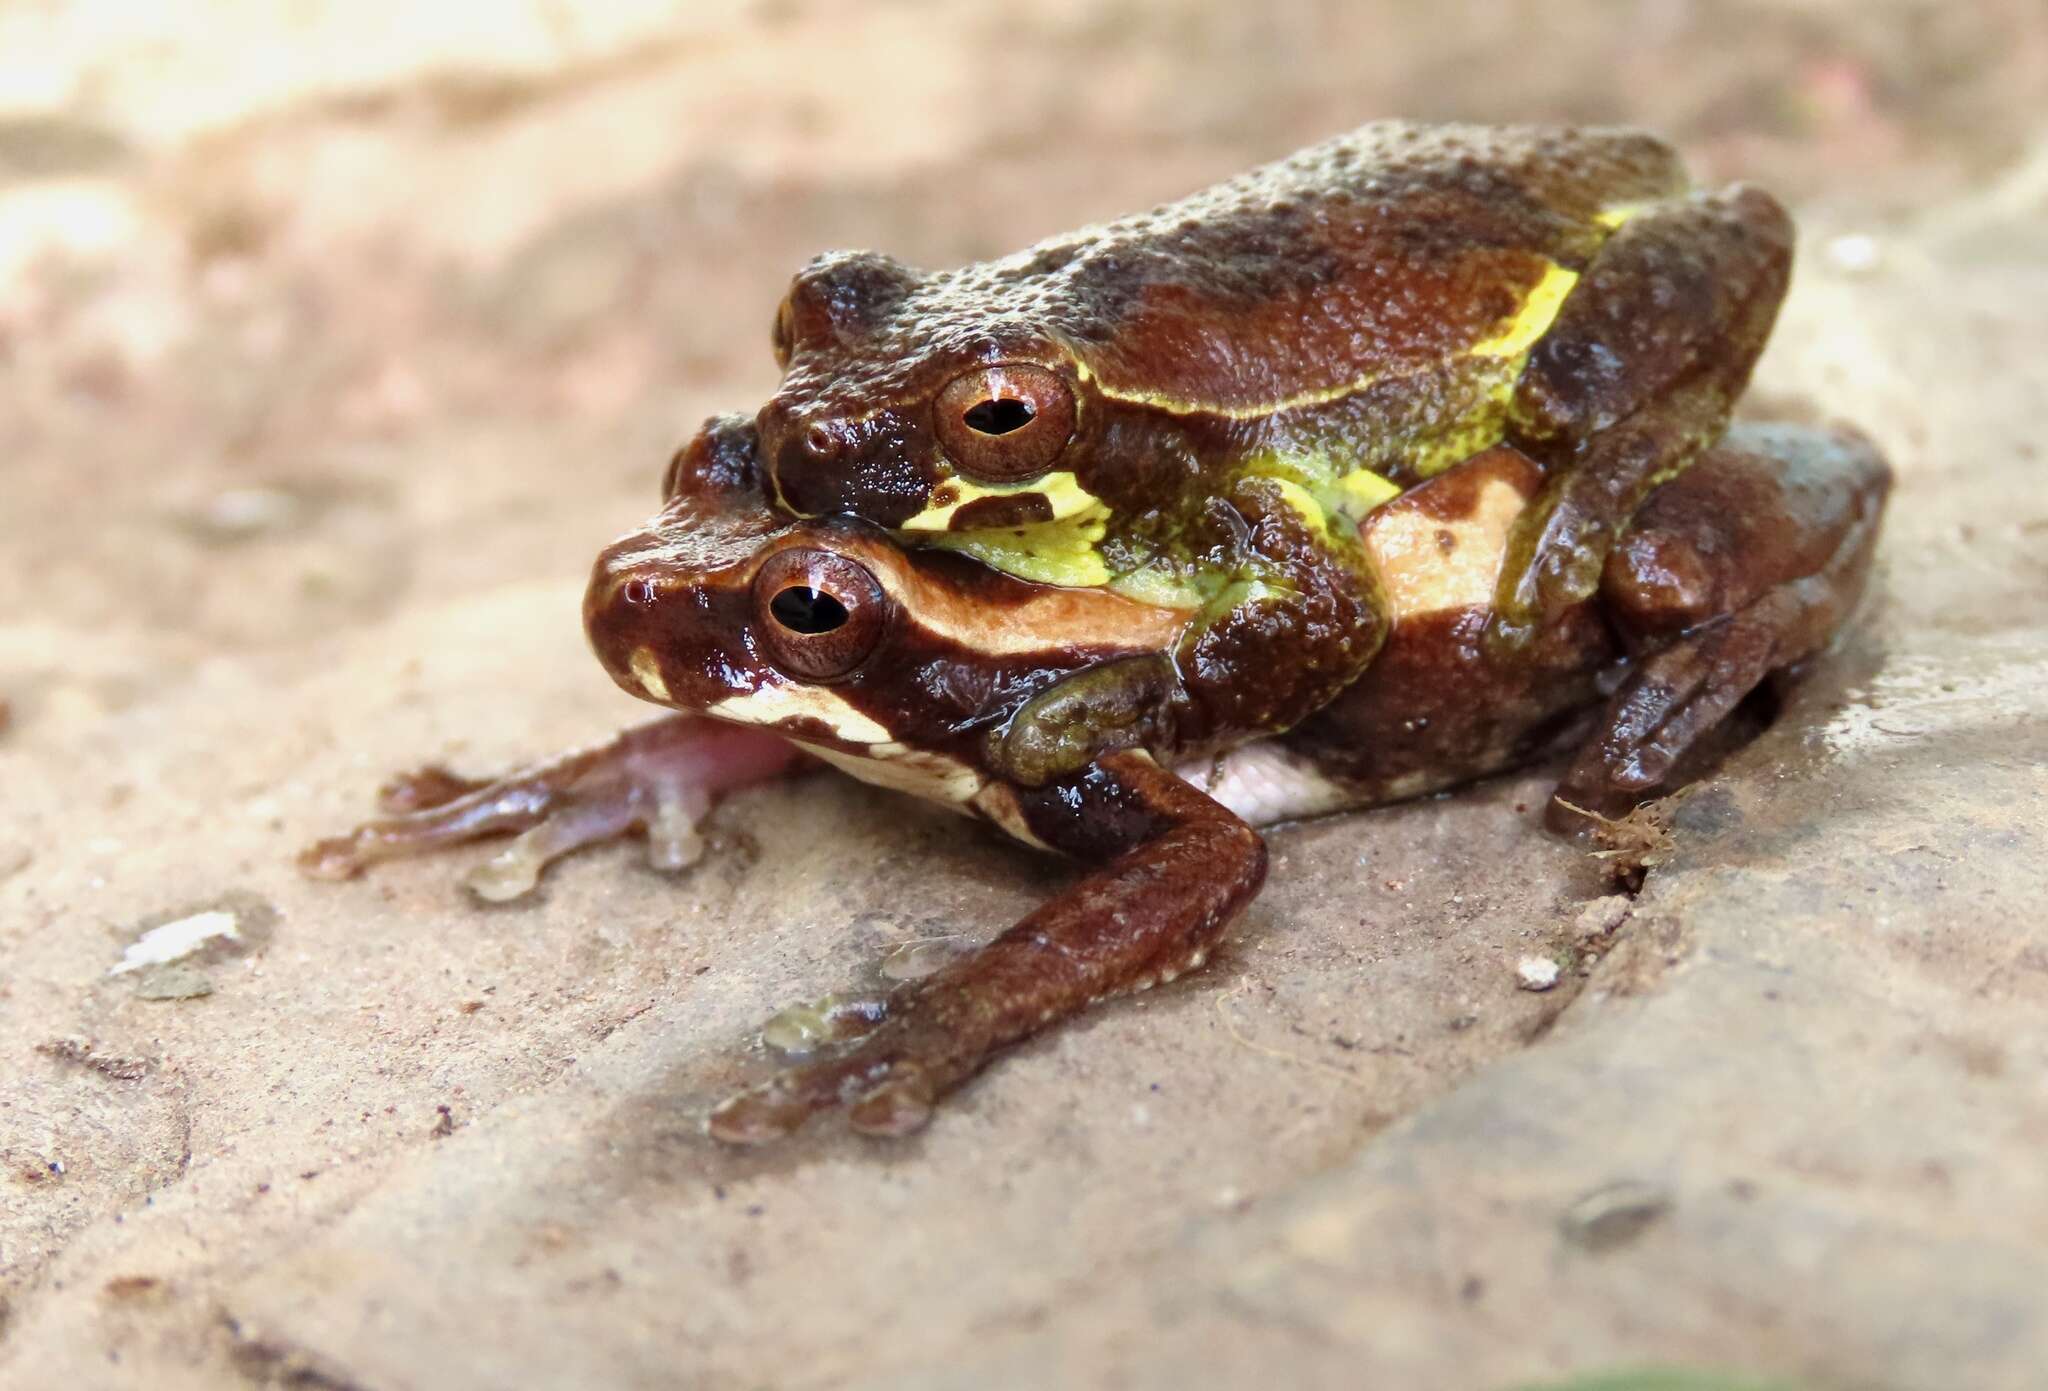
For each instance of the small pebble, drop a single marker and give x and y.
(1855, 254)
(1536, 973)
(1613, 1215)
(1601, 916)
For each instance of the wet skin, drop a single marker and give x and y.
(1301, 642)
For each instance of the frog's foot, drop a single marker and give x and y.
(660, 779)
(1151, 913)
(1743, 567)
(1637, 373)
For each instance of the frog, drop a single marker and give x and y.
(778, 641)
(1114, 407)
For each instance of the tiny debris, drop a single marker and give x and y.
(177, 939)
(1856, 253)
(83, 1052)
(1601, 916)
(129, 1288)
(1613, 1215)
(1637, 843)
(1537, 973)
(241, 514)
(165, 951)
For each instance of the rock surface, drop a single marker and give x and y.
(321, 389)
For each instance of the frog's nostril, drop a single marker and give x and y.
(821, 442)
(638, 593)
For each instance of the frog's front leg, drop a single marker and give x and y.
(1175, 868)
(659, 778)
(1635, 377)
(1742, 568)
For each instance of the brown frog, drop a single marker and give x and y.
(1259, 575)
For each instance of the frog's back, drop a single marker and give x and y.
(1380, 252)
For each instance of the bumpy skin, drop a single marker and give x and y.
(1342, 659)
(1348, 321)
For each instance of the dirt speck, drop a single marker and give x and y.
(85, 1053)
(1613, 1215)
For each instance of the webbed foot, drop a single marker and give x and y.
(1738, 570)
(659, 779)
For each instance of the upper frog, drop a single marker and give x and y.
(1341, 324)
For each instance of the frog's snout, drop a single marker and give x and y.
(657, 630)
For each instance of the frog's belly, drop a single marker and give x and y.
(1267, 782)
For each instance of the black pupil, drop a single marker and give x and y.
(998, 416)
(802, 609)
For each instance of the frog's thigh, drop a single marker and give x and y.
(1746, 565)
(1638, 372)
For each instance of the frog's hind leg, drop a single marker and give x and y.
(1637, 374)
(660, 778)
(1739, 569)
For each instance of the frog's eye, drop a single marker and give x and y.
(783, 336)
(819, 614)
(1007, 423)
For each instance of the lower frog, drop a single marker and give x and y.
(1061, 715)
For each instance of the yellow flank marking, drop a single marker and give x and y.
(1319, 485)
(1321, 396)
(1481, 428)
(1533, 319)
(775, 704)
(1361, 490)
(1062, 490)
(1613, 217)
(1055, 552)
(1529, 323)
(647, 671)
(1159, 586)
(1302, 501)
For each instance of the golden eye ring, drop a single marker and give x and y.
(819, 614)
(1005, 423)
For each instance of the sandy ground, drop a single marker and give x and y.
(335, 340)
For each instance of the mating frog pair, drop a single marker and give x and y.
(1391, 465)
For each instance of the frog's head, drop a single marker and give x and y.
(930, 403)
(908, 667)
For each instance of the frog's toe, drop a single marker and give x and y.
(660, 779)
(778, 1106)
(423, 789)
(1547, 572)
(515, 870)
(888, 1082)
(801, 1031)
(901, 1104)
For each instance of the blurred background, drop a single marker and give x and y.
(335, 338)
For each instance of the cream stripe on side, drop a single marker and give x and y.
(775, 704)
